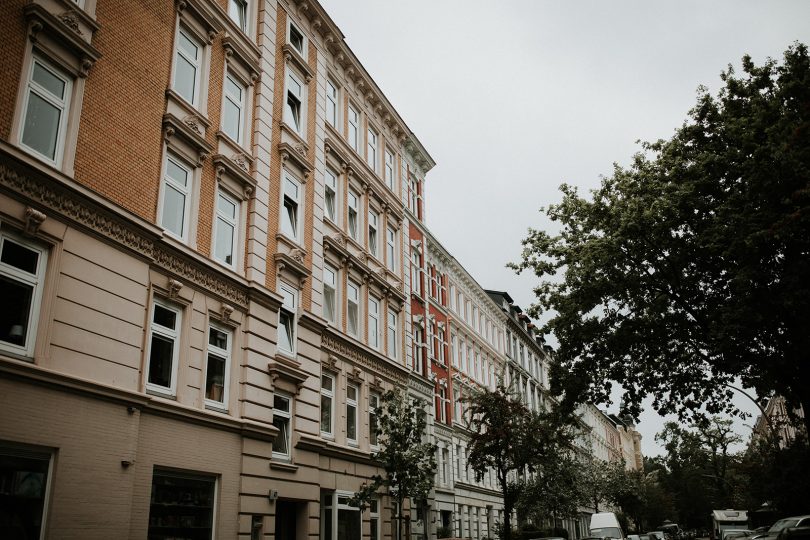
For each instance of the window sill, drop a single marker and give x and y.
(278, 464)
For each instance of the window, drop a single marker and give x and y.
(164, 345)
(373, 426)
(373, 322)
(47, 98)
(345, 524)
(443, 405)
(297, 39)
(374, 519)
(393, 343)
(282, 418)
(22, 272)
(181, 504)
(218, 367)
(418, 350)
(293, 111)
(353, 308)
(226, 229)
(354, 129)
(391, 249)
(329, 293)
(416, 267)
(176, 194)
(24, 479)
(373, 240)
(327, 405)
(445, 465)
(354, 213)
(237, 11)
(371, 149)
(441, 343)
(413, 195)
(286, 319)
(187, 67)
(389, 169)
(233, 109)
(351, 414)
(331, 103)
(290, 218)
(454, 350)
(330, 195)
(453, 297)
(457, 402)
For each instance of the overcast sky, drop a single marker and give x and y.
(513, 98)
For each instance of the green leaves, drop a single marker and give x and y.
(689, 268)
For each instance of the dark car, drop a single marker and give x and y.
(795, 533)
(784, 523)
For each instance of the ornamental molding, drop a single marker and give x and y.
(201, 276)
(70, 20)
(33, 221)
(358, 356)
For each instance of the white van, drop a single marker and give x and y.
(606, 525)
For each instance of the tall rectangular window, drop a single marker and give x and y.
(327, 405)
(441, 344)
(393, 342)
(187, 67)
(351, 414)
(181, 504)
(294, 111)
(331, 103)
(176, 194)
(416, 271)
(47, 98)
(329, 293)
(282, 419)
(237, 11)
(413, 195)
(286, 319)
(389, 169)
(374, 519)
(454, 350)
(353, 308)
(391, 249)
(297, 40)
(418, 348)
(226, 229)
(164, 347)
(373, 405)
(330, 195)
(353, 215)
(290, 218)
(218, 367)
(457, 404)
(233, 109)
(22, 273)
(373, 322)
(443, 405)
(373, 226)
(371, 149)
(354, 129)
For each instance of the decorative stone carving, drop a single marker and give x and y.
(241, 161)
(316, 25)
(33, 220)
(330, 343)
(203, 277)
(340, 239)
(226, 312)
(300, 149)
(174, 288)
(194, 123)
(70, 20)
(330, 363)
(297, 255)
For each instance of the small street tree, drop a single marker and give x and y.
(601, 482)
(554, 492)
(408, 460)
(508, 438)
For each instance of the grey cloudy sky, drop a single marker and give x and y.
(512, 98)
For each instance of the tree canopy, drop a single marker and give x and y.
(689, 268)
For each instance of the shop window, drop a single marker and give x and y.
(24, 478)
(181, 506)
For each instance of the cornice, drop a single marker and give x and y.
(374, 362)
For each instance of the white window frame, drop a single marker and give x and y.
(391, 248)
(393, 332)
(198, 64)
(372, 149)
(374, 233)
(35, 280)
(331, 183)
(187, 191)
(373, 418)
(237, 101)
(353, 128)
(292, 221)
(298, 127)
(352, 410)
(418, 360)
(389, 169)
(167, 333)
(373, 322)
(330, 287)
(374, 518)
(220, 217)
(223, 354)
(332, 103)
(234, 9)
(353, 299)
(288, 415)
(291, 26)
(356, 209)
(328, 393)
(63, 105)
(289, 307)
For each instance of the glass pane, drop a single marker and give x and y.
(289, 225)
(329, 304)
(218, 338)
(160, 361)
(182, 505)
(174, 207)
(185, 78)
(188, 46)
(236, 11)
(285, 336)
(17, 299)
(215, 379)
(330, 204)
(231, 119)
(351, 422)
(348, 525)
(281, 403)
(352, 319)
(226, 207)
(291, 189)
(351, 393)
(19, 256)
(23, 483)
(41, 128)
(48, 80)
(233, 89)
(223, 249)
(326, 414)
(165, 317)
(176, 172)
(281, 442)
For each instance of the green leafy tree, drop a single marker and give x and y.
(507, 438)
(689, 268)
(601, 482)
(554, 492)
(408, 461)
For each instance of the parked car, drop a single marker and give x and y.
(659, 535)
(784, 523)
(795, 533)
(732, 534)
(606, 525)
